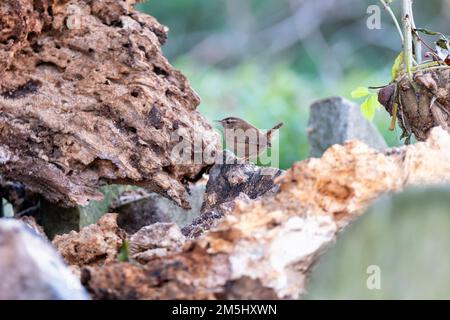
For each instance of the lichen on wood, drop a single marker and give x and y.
(87, 99)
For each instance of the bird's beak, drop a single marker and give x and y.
(218, 121)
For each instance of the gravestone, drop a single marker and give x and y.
(139, 208)
(336, 120)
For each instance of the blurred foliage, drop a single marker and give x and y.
(253, 59)
(124, 252)
(265, 97)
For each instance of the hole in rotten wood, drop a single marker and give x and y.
(30, 87)
(160, 71)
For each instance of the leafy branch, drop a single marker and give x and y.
(370, 104)
(409, 60)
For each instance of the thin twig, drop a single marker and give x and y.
(391, 13)
(436, 68)
(407, 34)
(27, 211)
(417, 40)
(436, 57)
(394, 116)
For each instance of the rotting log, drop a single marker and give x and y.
(88, 99)
(266, 249)
(96, 244)
(229, 182)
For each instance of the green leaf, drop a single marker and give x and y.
(429, 32)
(360, 92)
(374, 100)
(369, 106)
(123, 253)
(398, 65)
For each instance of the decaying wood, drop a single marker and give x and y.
(266, 249)
(229, 182)
(156, 241)
(87, 98)
(96, 244)
(19, 196)
(31, 223)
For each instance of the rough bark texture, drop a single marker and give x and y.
(156, 241)
(96, 244)
(87, 98)
(228, 183)
(20, 198)
(422, 104)
(269, 246)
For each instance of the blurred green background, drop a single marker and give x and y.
(267, 61)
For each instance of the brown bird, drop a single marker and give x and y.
(244, 139)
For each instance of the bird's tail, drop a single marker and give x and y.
(272, 131)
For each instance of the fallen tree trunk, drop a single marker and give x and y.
(87, 99)
(266, 249)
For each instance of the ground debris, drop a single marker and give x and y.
(96, 244)
(155, 241)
